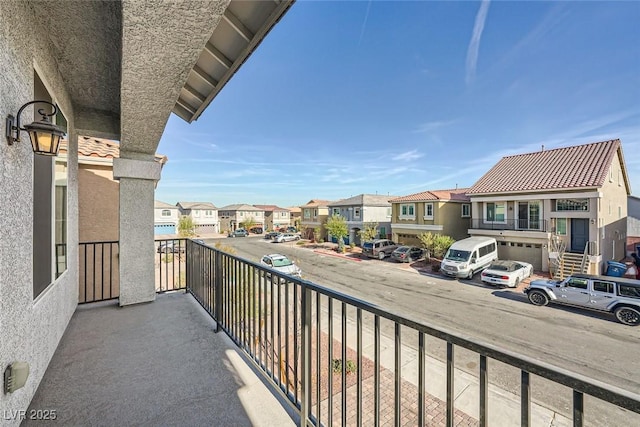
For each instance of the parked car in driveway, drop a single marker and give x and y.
(616, 295)
(271, 235)
(379, 248)
(407, 254)
(506, 273)
(286, 237)
(172, 247)
(240, 232)
(256, 230)
(281, 264)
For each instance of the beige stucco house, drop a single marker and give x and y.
(295, 216)
(234, 216)
(203, 214)
(314, 215)
(116, 70)
(362, 209)
(546, 205)
(275, 217)
(444, 212)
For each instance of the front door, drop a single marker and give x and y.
(579, 234)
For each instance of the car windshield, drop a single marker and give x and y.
(281, 262)
(403, 249)
(457, 255)
(499, 267)
(368, 245)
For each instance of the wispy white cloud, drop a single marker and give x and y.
(408, 155)
(364, 23)
(435, 125)
(474, 44)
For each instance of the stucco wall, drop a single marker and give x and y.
(613, 211)
(98, 203)
(31, 330)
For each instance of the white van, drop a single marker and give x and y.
(468, 256)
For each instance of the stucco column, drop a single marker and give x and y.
(137, 269)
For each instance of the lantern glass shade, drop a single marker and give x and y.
(45, 137)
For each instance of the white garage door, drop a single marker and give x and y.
(527, 252)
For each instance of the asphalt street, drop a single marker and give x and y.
(588, 343)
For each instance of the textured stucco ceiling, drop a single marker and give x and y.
(126, 64)
(86, 38)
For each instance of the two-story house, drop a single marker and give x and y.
(295, 216)
(633, 224)
(165, 218)
(314, 215)
(203, 214)
(362, 209)
(543, 206)
(275, 217)
(445, 212)
(235, 216)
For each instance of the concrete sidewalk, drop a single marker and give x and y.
(504, 407)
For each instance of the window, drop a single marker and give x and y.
(335, 211)
(208, 213)
(495, 212)
(241, 213)
(407, 211)
(603, 287)
(166, 212)
(572, 205)
(307, 213)
(356, 213)
(629, 291)
(575, 282)
(49, 208)
(561, 226)
(428, 211)
(196, 212)
(466, 210)
(315, 213)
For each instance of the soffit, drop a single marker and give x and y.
(240, 30)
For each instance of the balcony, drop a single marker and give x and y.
(510, 224)
(325, 357)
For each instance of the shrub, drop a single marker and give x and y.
(350, 366)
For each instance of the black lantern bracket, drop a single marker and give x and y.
(13, 123)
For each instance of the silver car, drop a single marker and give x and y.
(286, 237)
(615, 295)
(281, 264)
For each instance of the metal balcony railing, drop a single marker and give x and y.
(509, 224)
(305, 338)
(323, 350)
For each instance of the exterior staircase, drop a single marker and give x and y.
(571, 263)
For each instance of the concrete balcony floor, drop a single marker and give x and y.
(154, 364)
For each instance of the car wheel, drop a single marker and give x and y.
(628, 315)
(381, 255)
(538, 297)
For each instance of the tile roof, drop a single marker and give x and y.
(271, 208)
(196, 205)
(364, 200)
(317, 203)
(157, 204)
(240, 207)
(579, 166)
(100, 148)
(456, 195)
(294, 209)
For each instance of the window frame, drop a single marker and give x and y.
(428, 205)
(357, 213)
(409, 208)
(496, 205)
(558, 221)
(468, 208)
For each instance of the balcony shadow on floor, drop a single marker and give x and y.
(152, 364)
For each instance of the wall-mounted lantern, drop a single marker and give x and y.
(45, 136)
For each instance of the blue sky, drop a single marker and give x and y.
(344, 98)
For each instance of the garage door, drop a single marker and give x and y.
(160, 229)
(527, 252)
